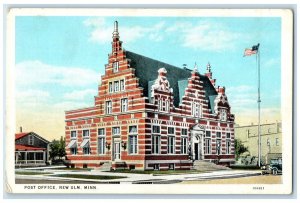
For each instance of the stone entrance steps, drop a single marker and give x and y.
(201, 165)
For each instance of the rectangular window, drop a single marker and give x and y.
(73, 151)
(73, 134)
(268, 142)
(86, 150)
(132, 129)
(101, 145)
(115, 66)
(122, 85)
(155, 129)
(184, 131)
(184, 145)
(116, 86)
(219, 147)
(196, 110)
(133, 139)
(101, 131)
(208, 134)
(277, 141)
(171, 166)
(171, 144)
(228, 147)
(223, 115)
(124, 105)
(171, 130)
(116, 131)
(155, 144)
(86, 133)
(30, 140)
(167, 106)
(132, 144)
(207, 146)
(108, 107)
(110, 88)
(228, 135)
(218, 134)
(159, 105)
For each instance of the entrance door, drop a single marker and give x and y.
(196, 148)
(117, 149)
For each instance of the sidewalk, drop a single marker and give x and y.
(144, 178)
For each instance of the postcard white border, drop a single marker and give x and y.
(286, 101)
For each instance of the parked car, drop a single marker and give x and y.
(275, 167)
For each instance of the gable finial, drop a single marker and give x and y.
(196, 67)
(116, 31)
(208, 67)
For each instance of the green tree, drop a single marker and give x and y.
(62, 147)
(57, 149)
(239, 148)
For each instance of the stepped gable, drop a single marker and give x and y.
(146, 70)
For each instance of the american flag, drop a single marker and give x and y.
(250, 51)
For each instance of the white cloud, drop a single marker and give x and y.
(204, 35)
(81, 94)
(32, 97)
(102, 31)
(36, 73)
(208, 36)
(271, 63)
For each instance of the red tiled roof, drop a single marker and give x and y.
(20, 135)
(26, 147)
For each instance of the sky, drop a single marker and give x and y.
(59, 61)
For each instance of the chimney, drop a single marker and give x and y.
(20, 129)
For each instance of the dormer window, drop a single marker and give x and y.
(223, 115)
(196, 110)
(115, 66)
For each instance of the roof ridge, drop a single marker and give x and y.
(159, 61)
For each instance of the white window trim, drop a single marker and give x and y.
(126, 106)
(101, 136)
(208, 140)
(137, 140)
(116, 68)
(223, 115)
(88, 133)
(228, 150)
(117, 86)
(159, 140)
(112, 131)
(171, 136)
(122, 89)
(73, 138)
(182, 145)
(108, 107)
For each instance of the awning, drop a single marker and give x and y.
(72, 144)
(85, 143)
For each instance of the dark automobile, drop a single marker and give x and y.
(275, 167)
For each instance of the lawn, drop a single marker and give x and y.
(71, 169)
(157, 173)
(31, 173)
(95, 177)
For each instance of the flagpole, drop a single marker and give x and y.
(258, 106)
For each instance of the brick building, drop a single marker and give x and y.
(271, 141)
(150, 115)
